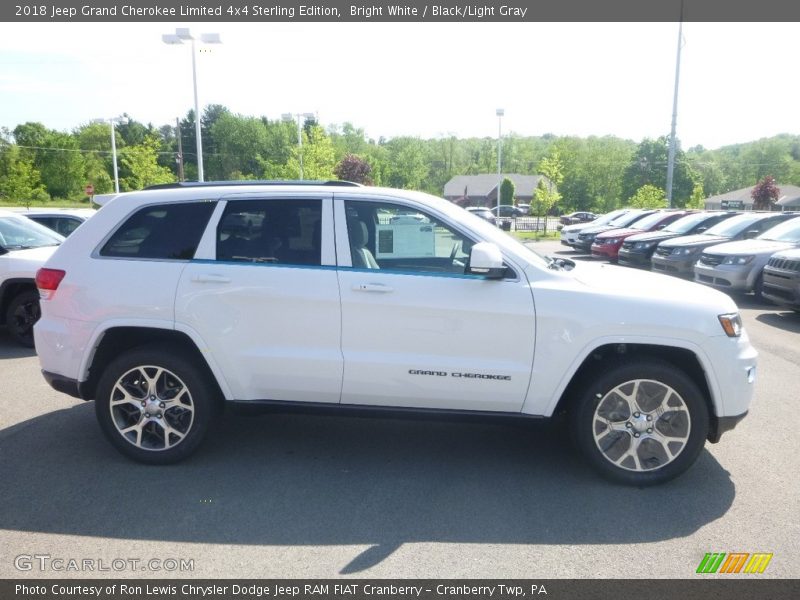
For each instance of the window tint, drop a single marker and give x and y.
(271, 231)
(389, 236)
(169, 231)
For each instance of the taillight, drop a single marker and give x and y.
(47, 280)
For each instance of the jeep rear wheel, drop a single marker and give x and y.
(22, 314)
(153, 405)
(641, 423)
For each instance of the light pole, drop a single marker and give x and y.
(500, 112)
(672, 142)
(298, 116)
(182, 34)
(111, 121)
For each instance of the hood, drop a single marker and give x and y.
(652, 236)
(654, 287)
(576, 227)
(25, 263)
(598, 228)
(751, 247)
(620, 232)
(697, 239)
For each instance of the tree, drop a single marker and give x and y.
(765, 194)
(648, 196)
(353, 168)
(698, 199)
(139, 166)
(546, 193)
(19, 179)
(55, 155)
(507, 192)
(649, 166)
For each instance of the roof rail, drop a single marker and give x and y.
(246, 182)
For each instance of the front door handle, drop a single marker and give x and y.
(372, 287)
(208, 278)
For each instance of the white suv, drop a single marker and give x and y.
(24, 247)
(172, 302)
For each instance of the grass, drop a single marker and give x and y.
(528, 236)
(60, 203)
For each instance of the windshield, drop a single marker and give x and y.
(603, 219)
(627, 218)
(19, 233)
(788, 231)
(687, 223)
(733, 226)
(649, 221)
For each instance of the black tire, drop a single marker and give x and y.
(21, 316)
(180, 403)
(758, 288)
(606, 428)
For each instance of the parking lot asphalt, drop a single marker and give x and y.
(306, 496)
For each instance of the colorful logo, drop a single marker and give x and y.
(734, 562)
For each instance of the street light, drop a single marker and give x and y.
(111, 121)
(182, 34)
(298, 116)
(500, 112)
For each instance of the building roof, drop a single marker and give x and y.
(789, 196)
(483, 186)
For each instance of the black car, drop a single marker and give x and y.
(483, 213)
(637, 250)
(577, 217)
(506, 210)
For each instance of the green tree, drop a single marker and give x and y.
(19, 179)
(698, 197)
(139, 166)
(546, 194)
(408, 167)
(648, 196)
(55, 155)
(649, 166)
(507, 192)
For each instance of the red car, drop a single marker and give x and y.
(608, 243)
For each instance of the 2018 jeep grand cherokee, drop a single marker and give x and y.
(160, 310)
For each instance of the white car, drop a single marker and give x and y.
(159, 314)
(569, 233)
(24, 248)
(61, 220)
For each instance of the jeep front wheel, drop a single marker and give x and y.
(153, 405)
(641, 423)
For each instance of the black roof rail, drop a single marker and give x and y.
(246, 182)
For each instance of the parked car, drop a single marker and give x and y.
(24, 248)
(637, 250)
(569, 233)
(587, 235)
(483, 213)
(145, 312)
(505, 210)
(577, 217)
(607, 244)
(782, 279)
(62, 221)
(738, 266)
(678, 256)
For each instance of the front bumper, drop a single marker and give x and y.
(730, 278)
(679, 267)
(633, 258)
(608, 251)
(782, 288)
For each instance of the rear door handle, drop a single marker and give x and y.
(372, 287)
(208, 278)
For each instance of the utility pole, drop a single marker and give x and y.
(672, 141)
(180, 150)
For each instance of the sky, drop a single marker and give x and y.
(738, 81)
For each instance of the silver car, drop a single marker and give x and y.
(738, 266)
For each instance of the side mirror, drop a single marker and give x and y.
(701, 229)
(751, 234)
(486, 259)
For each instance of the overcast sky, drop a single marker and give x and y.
(738, 80)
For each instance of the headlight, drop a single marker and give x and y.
(610, 241)
(643, 245)
(684, 251)
(731, 324)
(737, 260)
